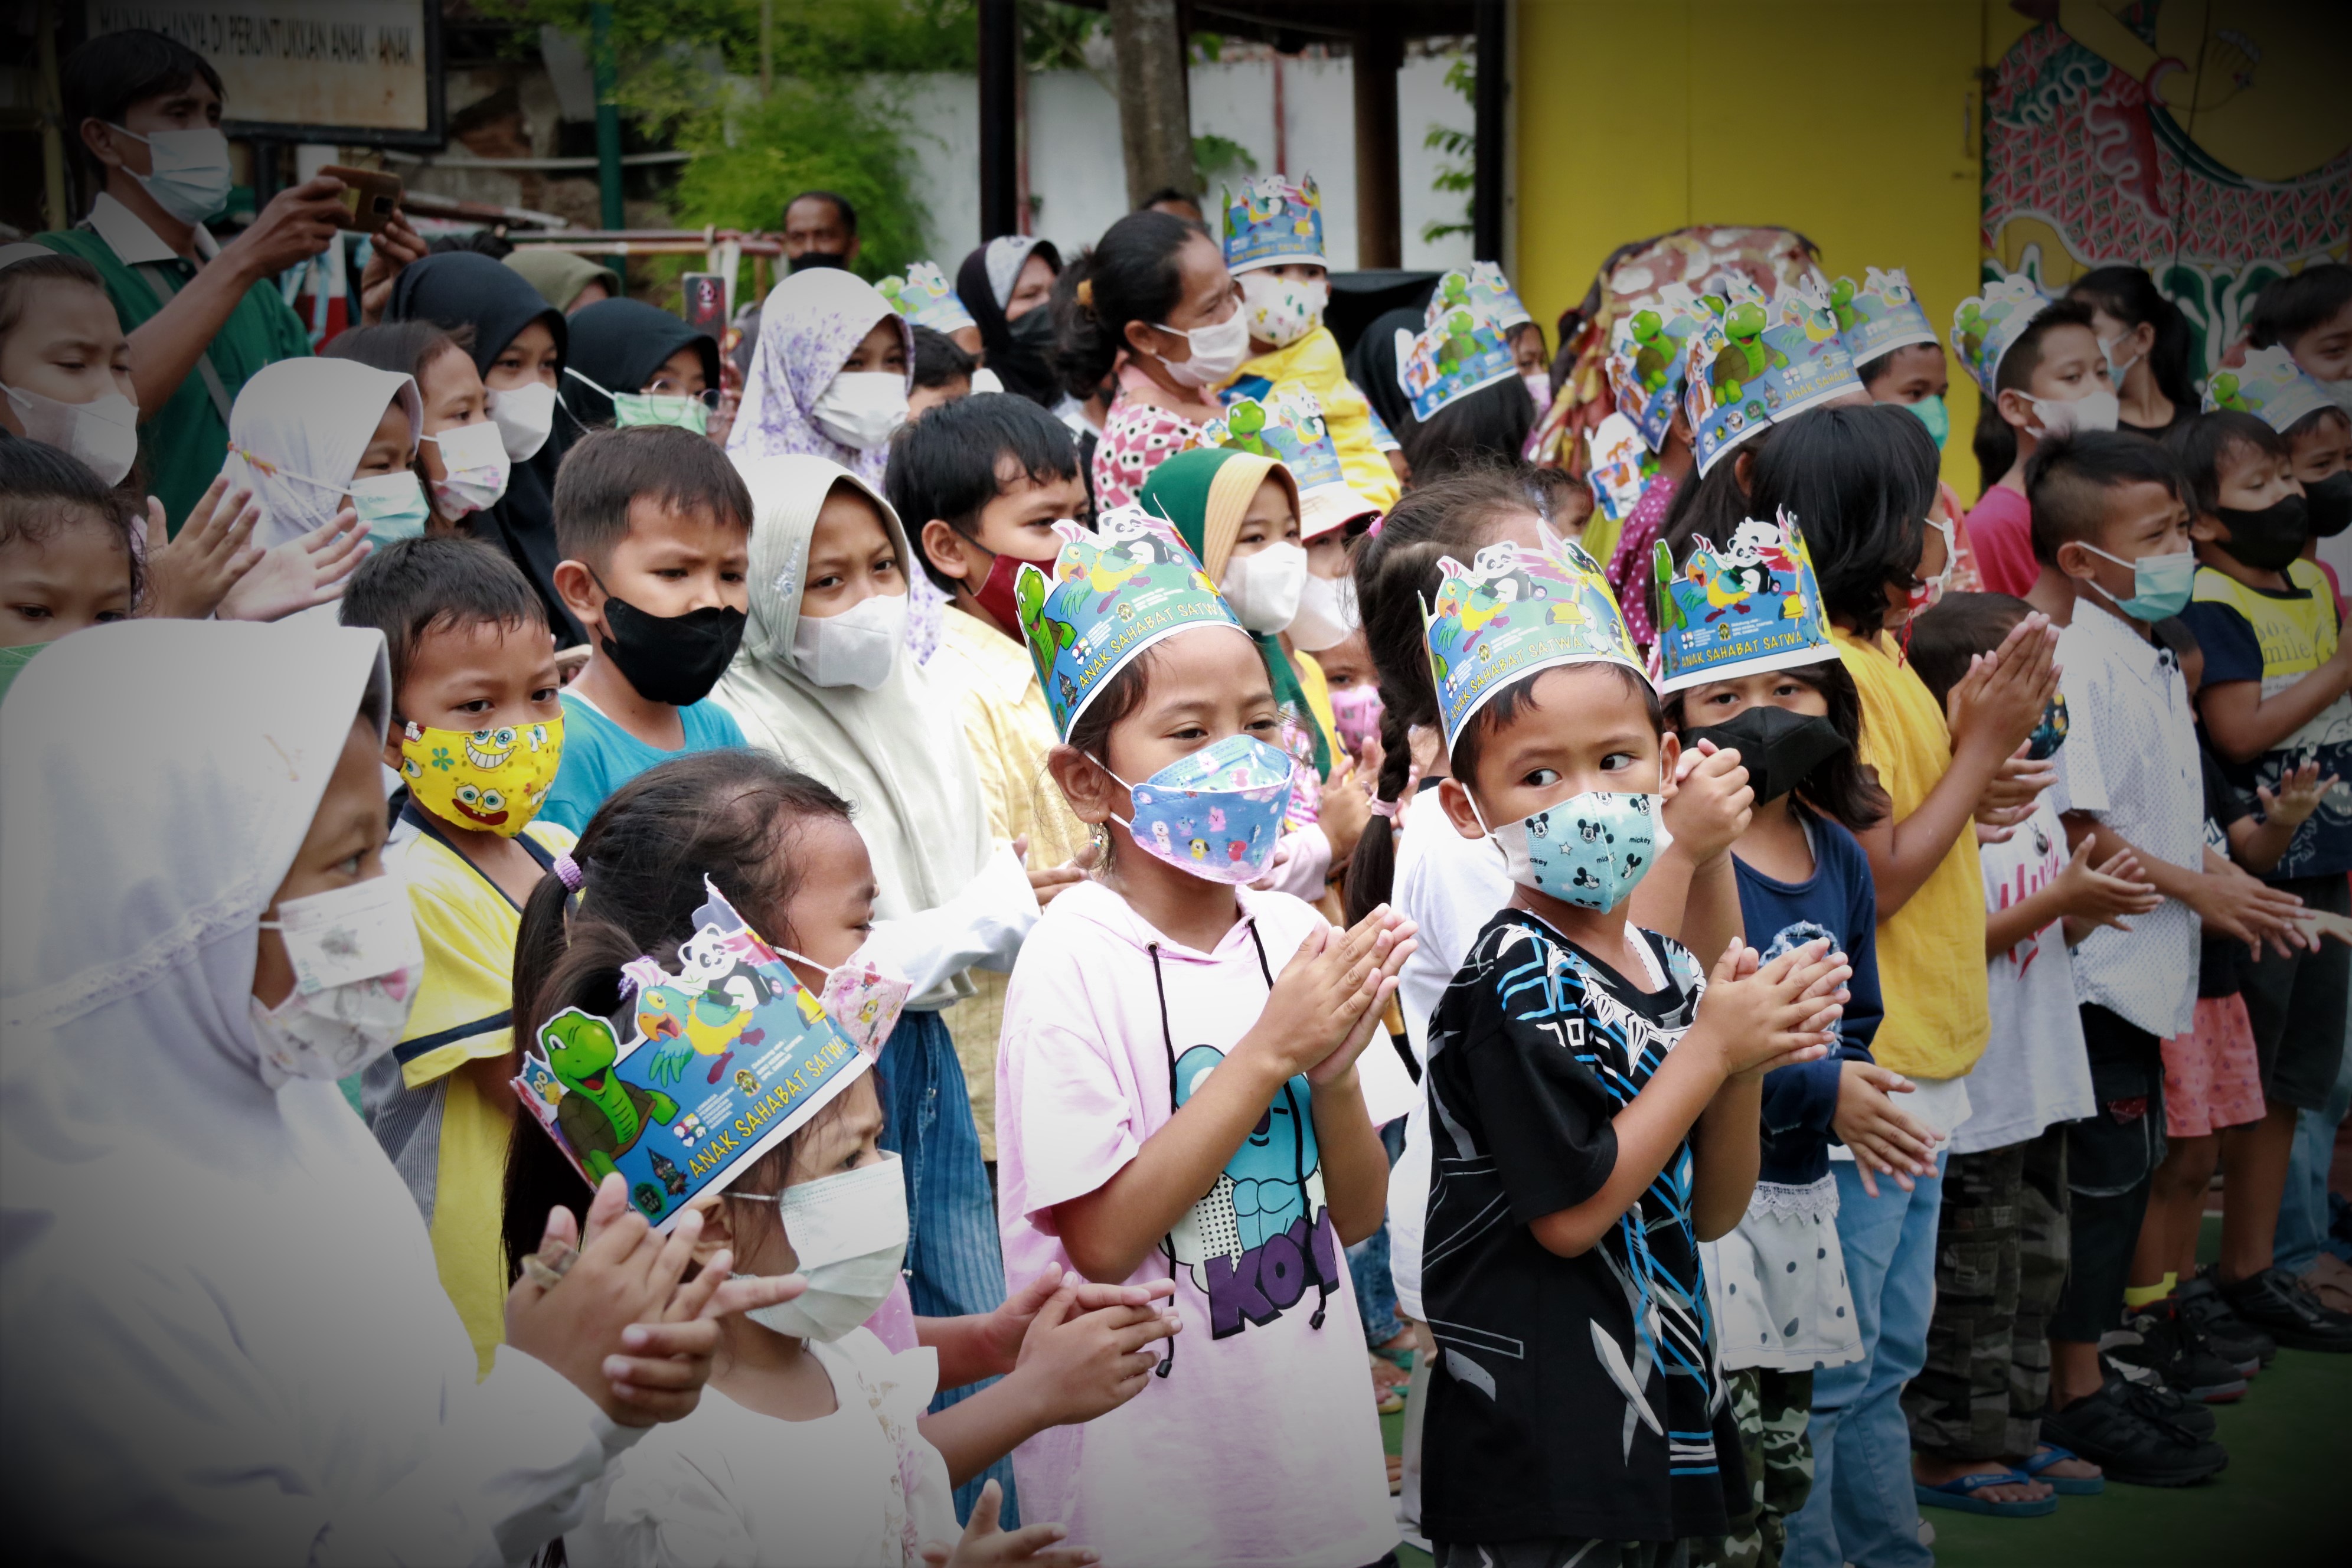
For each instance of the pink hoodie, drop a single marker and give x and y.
(1260, 1447)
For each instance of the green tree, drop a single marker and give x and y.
(1458, 175)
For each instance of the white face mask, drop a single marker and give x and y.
(2340, 393)
(2063, 417)
(525, 415)
(2117, 370)
(1265, 587)
(861, 407)
(103, 435)
(1539, 382)
(1326, 613)
(192, 176)
(863, 995)
(1217, 352)
(1281, 310)
(356, 960)
(856, 648)
(849, 1235)
(475, 467)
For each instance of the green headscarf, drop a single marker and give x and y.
(560, 275)
(1203, 493)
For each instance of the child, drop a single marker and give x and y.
(830, 376)
(655, 528)
(2146, 341)
(65, 365)
(312, 436)
(1592, 1121)
(1898, 360)
(460, 455)
(1168, 1106)
(1274, 249)
(1776, 695)
(1975, 1406)
(477, 734)
(943, 373)
(634, 363)
(66, 559)
(2309, 314)
(2107, 511)
(2277, 693)
(2038, 364)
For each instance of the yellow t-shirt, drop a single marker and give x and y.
(1931, 958)
(1313, 363)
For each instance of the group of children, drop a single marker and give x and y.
(1777, 1012)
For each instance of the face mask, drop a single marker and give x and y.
(1326, 613)
(1265, 587)
(391, 505)
(849, 1235)
(474, 458)
(2051, 733)
(1356, 710)
(2327, 504)
(1935, 417)
(862, 997)
(1216, 814)
(856, 648)
(191, 177)
(356, 961)
(491, 779)
(2160, 583)
(1779, 749)
(2267, 539)
(861, 407)
(674, 659)
(1923, 596)
(1539, 382)
(524, 415)
(2340, 393)
(103, 435)
(995, 593)
(1217, 352)
(1282, 310)
(632, 409)
(1034, 331)
(2072, 416)
(1589, 850)
(2116, 371)
(838, 259)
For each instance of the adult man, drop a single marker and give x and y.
(820, 230)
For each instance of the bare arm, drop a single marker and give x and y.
(1727, 1151)
(1355, 1163)
(2243, 723)
(2227, 901)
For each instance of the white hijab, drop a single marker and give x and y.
(811, 322)
(311, 418)
(222, 1337)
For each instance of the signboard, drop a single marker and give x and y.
(364, 72)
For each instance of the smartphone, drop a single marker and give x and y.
(706, 303)
(371, 197)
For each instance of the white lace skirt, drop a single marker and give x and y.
(1778, 1283)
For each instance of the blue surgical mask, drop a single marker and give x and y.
(392, 505)
(191, 177)
(1935, 417)
(1216, 814)
(1590, 850)
(2160, 583)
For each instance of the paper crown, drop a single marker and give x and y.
(1111, 594)
(1272, 222)
(1513, 612)
(1620, 467)
(2270, 385)
(1288, 426)
(724, 1058)
(1879, 315)
(1985, 325)
(1459, 352)
(1646, 361)
(925, 298)
(1482, 289)
(1743, 608)
(1753, 360)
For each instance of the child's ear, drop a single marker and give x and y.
(392, 740)
(944, 547)
(2015, 407)
(1084, 784)
(2082, 564)
(717, 1226)
(1670, 756)
(1456, 800)
(2207, 529)
(577, 584)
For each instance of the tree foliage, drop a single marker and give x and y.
(1458, 175)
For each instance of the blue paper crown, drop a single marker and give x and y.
(1879, 315)
(1753, 360)
(1458, 353)
(1619, 466)
(1646, 361)
(1484, 289)
(2268, 385)
(1112, 593)
(1272, 222)
(1513, 612)
(926, 299)
(1287, 425)
(1744, 608)
(1985, 325)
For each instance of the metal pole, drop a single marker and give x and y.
(54, 131)
(1000, 98)
(1486, 187)
(608, 122)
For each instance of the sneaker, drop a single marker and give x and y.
(2275, 1302)
(2234, 1339)
(2147, 1393)
(2329, 1281)
(2161, 1339)
(2115, 1432)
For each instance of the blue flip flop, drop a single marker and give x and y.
(2050, 1454)
(1960, 1493)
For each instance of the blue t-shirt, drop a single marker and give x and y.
(1838, 901)
(599, 756)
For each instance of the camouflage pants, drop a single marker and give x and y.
(2001, 1266)
(1772, 1408)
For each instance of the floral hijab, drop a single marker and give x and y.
(810, 325)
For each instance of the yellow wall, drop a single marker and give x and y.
(1853, 121)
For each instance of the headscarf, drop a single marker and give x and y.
(810, 325)
(560, 275)
(619, 344)
(1371, 365)
(311, 418)
(465, 289)
(985, 283)
(1203, 492)
(897, 750)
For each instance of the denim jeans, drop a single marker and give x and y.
(2302, 1208)
(1862, 1509)
(954, 1262)
(1367, 1263)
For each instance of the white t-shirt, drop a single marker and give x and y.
(2034, 1071)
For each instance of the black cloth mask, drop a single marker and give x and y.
(2269, 539)
(837, 259)
(1779, 749)
(2327, 504)
(674, 659)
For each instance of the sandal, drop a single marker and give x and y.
(2050, 1454)
(1962, 1494)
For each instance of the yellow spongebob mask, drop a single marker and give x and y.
(491, 779)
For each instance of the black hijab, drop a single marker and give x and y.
(1019, 361)
(1372, 367)
(619, 344)
(462, 289)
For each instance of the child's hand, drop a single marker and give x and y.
(1046, 881)
(1999, 703)
(1083, 1361)
(1759, 1017)
(2317, 923)
(1343, 810)
(2229, 901)
(2300, 791)
(2008, 795)
(985, 1546)
(1324, 995)
(187, 578)
(300, 574)
(1708, 803)
(1883, 1139)
(1006, 1329)
(2103, 895)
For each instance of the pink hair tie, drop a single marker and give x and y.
(567, 871)
(1388, 808)
(1377, 523)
